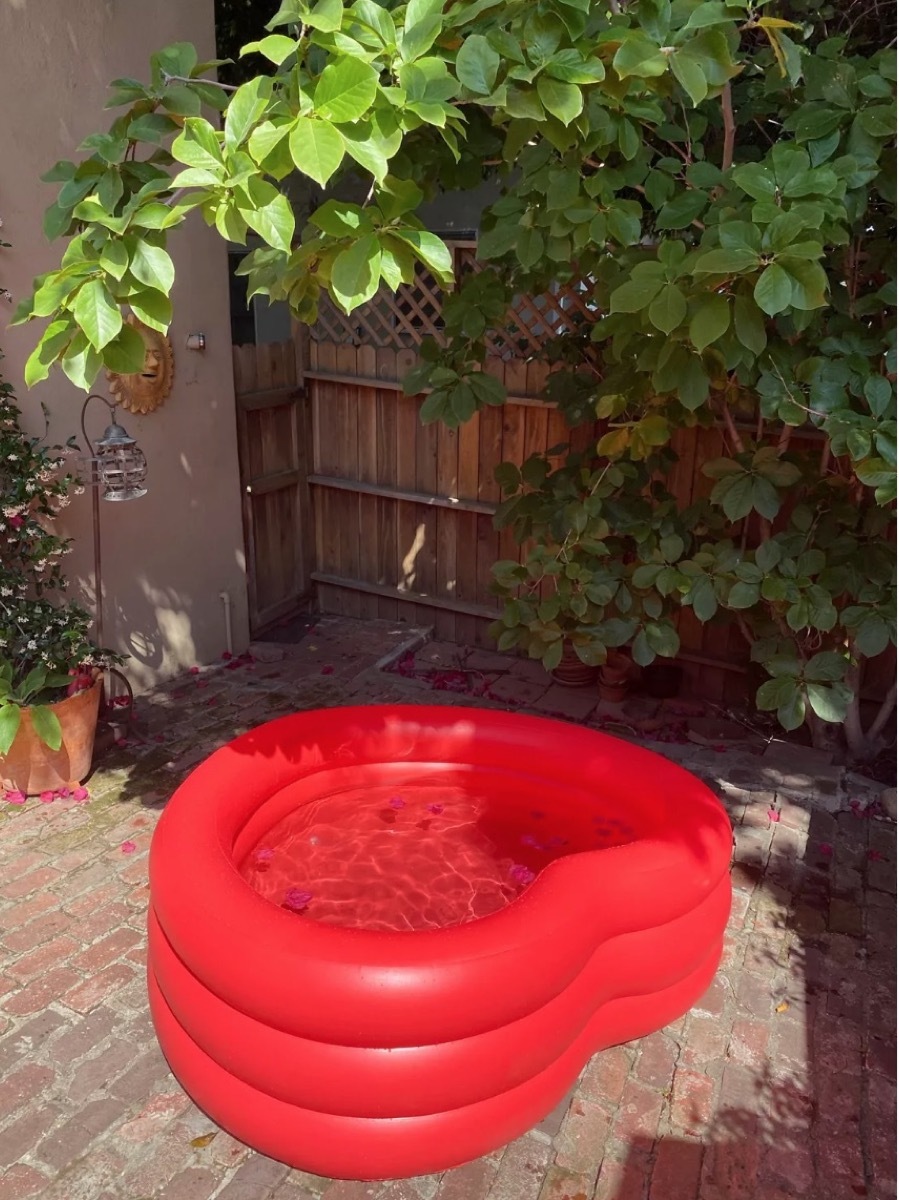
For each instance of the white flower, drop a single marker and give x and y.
(79, 489)
(12, 458)
(32, 645)
(5, 591)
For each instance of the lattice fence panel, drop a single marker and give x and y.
(404, 320)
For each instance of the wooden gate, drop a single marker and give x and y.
(273, 443)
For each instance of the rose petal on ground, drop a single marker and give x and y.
(128, 847)
(47, 797)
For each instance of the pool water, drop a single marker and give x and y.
(420, 856)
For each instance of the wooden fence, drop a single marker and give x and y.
(401, 513)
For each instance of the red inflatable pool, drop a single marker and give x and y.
(384, 941)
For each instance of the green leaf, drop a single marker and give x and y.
(198, 146)
(114, 258)
(634, 295)
(265, 138)
(682, 210)
(829, 703)
(767, 555)
(749, 325)
(743, 595)
(792, 714)
(55, 338)
(316, 148)
(276, 48)
(563, 100)
(430, 249)
(345, 90)
(10, 719)
(725, 262)
(126, 352)
(872, 636)
(689, 74)
(668, 309)
(710, 321)
(640, 57)
(825, 667)
(477, 64)
(46, 725)
(775, 692)
(326, 16)
(356, 273)
(153, 308)
(773, 291)
(705, 602)
(274, 222)
(663, 638)
(97, 313)
(735, 496)
(81, 363)
(153, 266)
(245, 108)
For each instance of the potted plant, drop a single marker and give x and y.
(50, 676)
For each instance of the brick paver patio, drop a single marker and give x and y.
(779, 1084)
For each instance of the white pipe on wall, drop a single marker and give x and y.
(225, 598)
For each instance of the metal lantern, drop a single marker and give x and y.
(121, 465)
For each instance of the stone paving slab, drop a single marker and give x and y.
(779, 1083)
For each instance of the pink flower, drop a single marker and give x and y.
(773, 815)
(47, 797)
(14, 796)
(327, 670)
(397, 802)
(826, 849)
(80, 795)
(296, 900)
(193, 671)
(16, 522)
(129, 847)
(437, 809)
(63, 792)
(521, 874)
(81, 681)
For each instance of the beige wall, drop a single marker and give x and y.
(168, 556)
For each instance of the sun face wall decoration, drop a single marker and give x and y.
(147, 389)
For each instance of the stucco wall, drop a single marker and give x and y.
(167, 556)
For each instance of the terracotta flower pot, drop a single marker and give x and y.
(32, 767)
(615, 677)
(571, 672)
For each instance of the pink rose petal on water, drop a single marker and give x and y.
(129, 847)
(521, 874)
(14, 796)
(47, 797)
(437, 809)
(397, 802)
(296, 900)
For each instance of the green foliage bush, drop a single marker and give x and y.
(719, 182)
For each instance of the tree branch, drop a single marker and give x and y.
(226, 87)
(730, 129)
(883, 714)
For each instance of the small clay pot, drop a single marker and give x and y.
(571, 672)
(615, 677)
(32, 767)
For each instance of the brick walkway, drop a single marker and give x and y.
(779, 1084)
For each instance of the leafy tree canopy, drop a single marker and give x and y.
(716, 178)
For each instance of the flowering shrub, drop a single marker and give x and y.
(45, 650)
